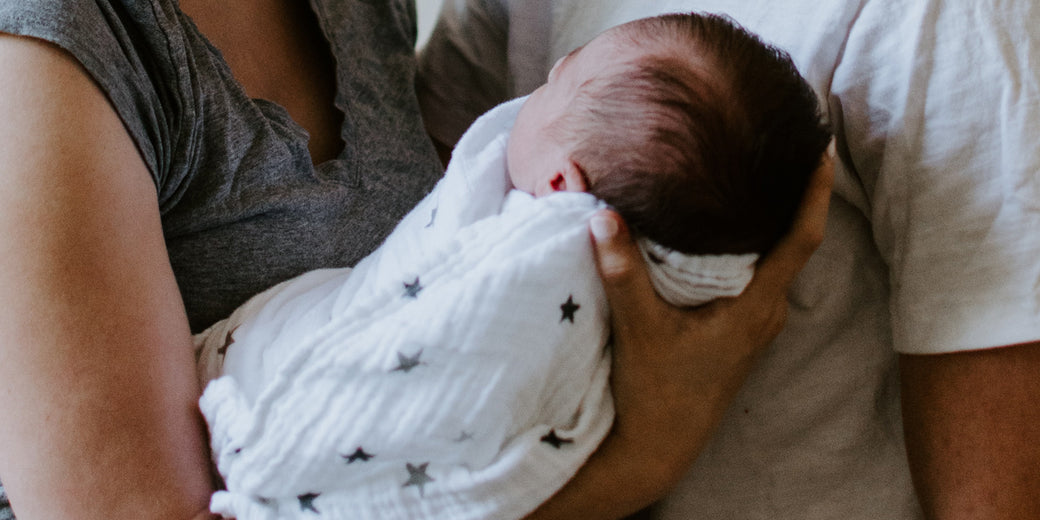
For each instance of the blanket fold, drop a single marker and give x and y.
(460, 371)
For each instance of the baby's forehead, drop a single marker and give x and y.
(616, 46)
(632, 42)
(656, 36)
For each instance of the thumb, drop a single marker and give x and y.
(622, 269)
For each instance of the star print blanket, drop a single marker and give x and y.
(460, 371)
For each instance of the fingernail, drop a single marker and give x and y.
(603, 227)
(832, 149)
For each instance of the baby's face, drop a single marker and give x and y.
(537, 162)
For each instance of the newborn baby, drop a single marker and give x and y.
(461, 370)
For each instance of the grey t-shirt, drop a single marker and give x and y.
(242, 206)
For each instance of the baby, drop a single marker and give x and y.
(460, 370)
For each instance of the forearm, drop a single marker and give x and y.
(93, 433)
(652, 445)
(613, 483)
(96, 365)
(973, 432)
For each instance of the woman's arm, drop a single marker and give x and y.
(96, 364)
(675, 370)
(973, 432)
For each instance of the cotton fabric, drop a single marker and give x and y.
(931, 243)
(463, 364)
(467, 356)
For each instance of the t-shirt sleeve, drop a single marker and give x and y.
(939, 105)
(124, 48)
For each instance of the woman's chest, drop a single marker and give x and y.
(278, 52)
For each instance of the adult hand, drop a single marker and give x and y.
(676, 370)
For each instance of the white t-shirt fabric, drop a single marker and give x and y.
(933, 237)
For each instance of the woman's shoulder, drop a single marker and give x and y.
(107, 37)
(129, 49)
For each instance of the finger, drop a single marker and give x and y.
(621, 267)
(777, 271)
(811, 218)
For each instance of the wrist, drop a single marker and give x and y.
(667, 431)
(655, 460)
(619, 479)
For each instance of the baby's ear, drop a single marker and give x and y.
(569, 178)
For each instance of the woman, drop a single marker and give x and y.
(163, 162)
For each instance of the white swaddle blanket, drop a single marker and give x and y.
(460, 371)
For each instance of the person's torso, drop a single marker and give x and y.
(243, 206)
(815, 432)
(292, 65)
(274, 214)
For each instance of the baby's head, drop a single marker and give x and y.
(700, 135)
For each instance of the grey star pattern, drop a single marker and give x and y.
(411, 290)
(358, 454)
(569, 308)
(433, 217)
(555, 440)
(417, 477)
(407, 363)
(307, 502)
(464, 436)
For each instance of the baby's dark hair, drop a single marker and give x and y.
(704, 147)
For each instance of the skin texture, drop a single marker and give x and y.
(973, 432)
(96, 366)
(539, 163)
(291, 65)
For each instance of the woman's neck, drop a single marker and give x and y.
(277, 51)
